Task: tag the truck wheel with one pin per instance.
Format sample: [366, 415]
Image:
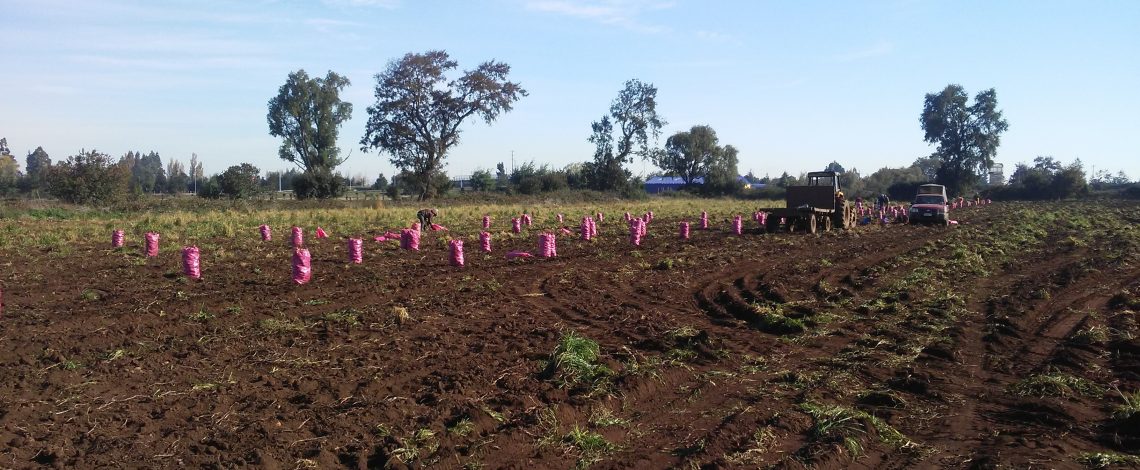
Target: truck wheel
[790, 224]
[827, 224]
[811, 228]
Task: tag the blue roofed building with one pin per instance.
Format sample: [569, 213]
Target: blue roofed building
[661, 184]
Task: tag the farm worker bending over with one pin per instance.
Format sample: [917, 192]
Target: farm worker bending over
[425, 216]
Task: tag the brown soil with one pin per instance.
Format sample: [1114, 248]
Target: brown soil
[111, 359]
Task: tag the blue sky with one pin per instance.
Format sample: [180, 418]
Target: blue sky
[793, 85]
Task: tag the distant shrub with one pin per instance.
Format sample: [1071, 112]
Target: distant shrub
[88, 178]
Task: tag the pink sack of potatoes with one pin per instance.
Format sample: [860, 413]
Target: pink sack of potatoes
[627, 217]
[355, 250]
[191, 262]
[438, 227]
[266, 233]
[456, 248]
[416, 227]
[392, 235]
[601, 217]
[646, 217]
[560, 218]
[117, 239]
[321, 233]
[684, 234]
[485, 241]
[302, 267]
[704, 220]
[151, 244]
[989, 201]
[565, 231]
[635, 232]
[410, 239]
[642, 227]
[593, 229]
[380, 238]
[651, 216]
[526, 220]
[298, 237]
[585, 228]
[519, 254]
[486, 222]
[737, 225]
[546, 245]
[516, 225]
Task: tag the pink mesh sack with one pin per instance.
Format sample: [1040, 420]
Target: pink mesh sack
[266, 233]
[302, 269]
[355, 250]
[191, 262]
[519, 254]
[152, 244]
[546, 245]
[485, 241]
[456, 247]
[298, 237]
[410, 239]
[117, 239]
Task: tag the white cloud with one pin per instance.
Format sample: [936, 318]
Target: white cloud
[878, 50]
[622, 13]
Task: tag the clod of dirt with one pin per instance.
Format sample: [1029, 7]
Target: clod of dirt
[882, 398]
[941, 351]
[913, 382]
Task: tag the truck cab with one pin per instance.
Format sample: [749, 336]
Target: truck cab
[930, 206]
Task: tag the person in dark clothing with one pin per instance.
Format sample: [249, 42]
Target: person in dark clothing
[425, 216]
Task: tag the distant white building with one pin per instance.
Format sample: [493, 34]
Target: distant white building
[996, 175]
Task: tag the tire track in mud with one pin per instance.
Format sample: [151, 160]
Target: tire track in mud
[1012, 345]
[715, 307]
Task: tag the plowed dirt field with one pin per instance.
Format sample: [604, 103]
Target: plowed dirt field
[1007, 340]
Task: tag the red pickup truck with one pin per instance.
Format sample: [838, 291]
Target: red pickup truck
[930, 205]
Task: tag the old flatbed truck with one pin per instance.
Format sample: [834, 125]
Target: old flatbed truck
[818, 205]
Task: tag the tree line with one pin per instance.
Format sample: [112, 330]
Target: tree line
[421, 104]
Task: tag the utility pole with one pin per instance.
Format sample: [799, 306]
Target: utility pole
[279, 180]
[512, 161]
